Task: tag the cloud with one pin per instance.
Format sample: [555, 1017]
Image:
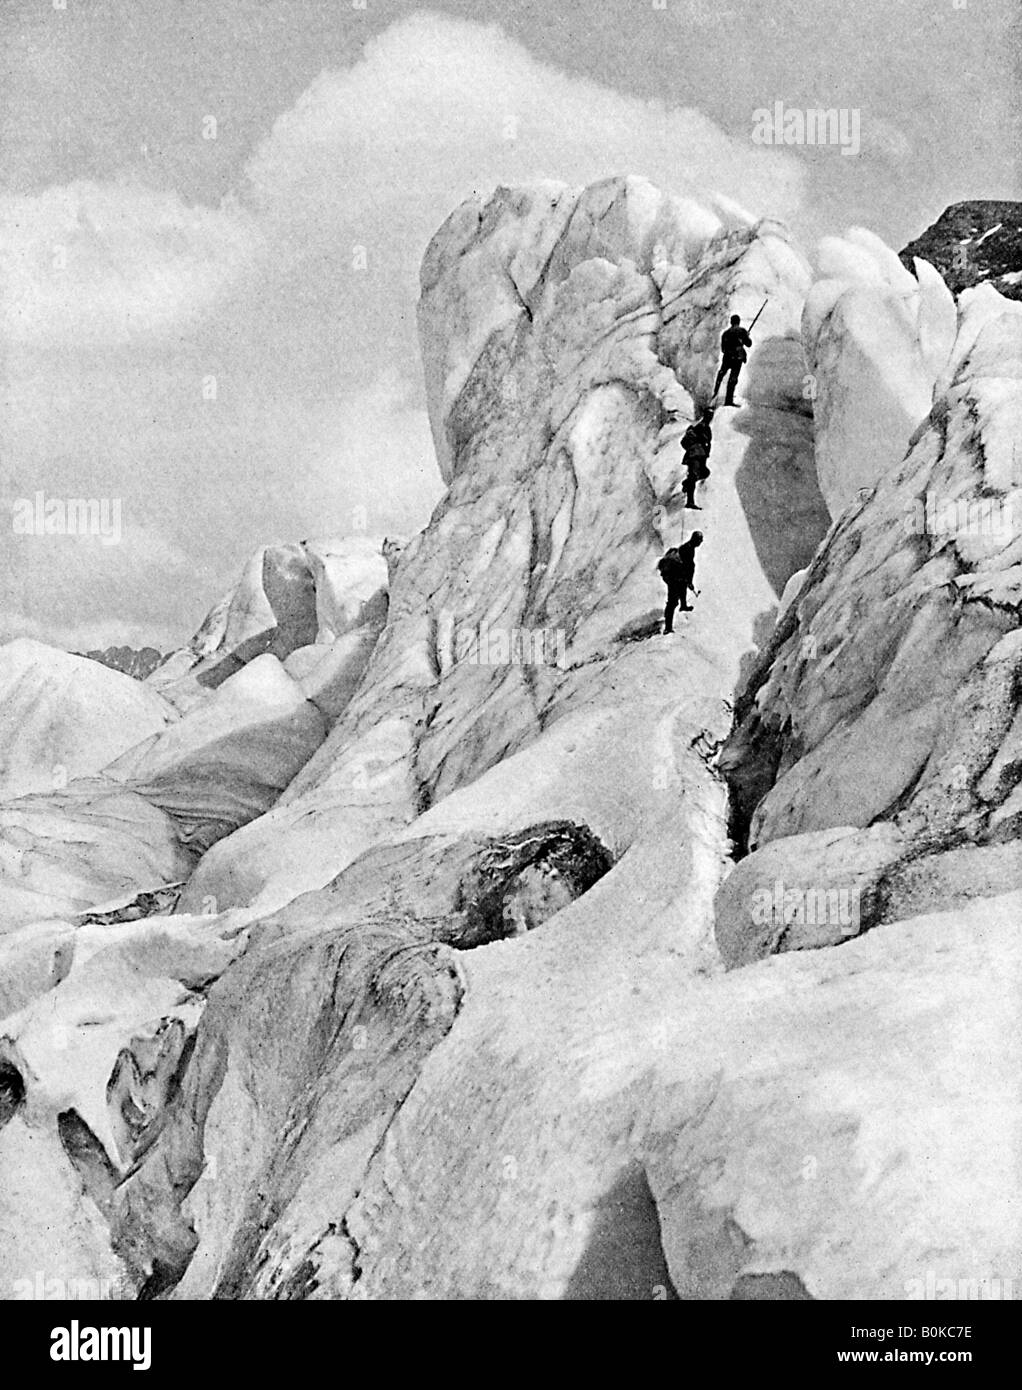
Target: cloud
[383, 440]
[438, 108]
[89, 263]
[884, 138]
[373, 158]
[80, 589]
[361, 463]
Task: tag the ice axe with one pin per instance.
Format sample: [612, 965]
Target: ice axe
[752, 325]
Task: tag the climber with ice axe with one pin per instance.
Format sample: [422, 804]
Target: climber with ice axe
[696, 442]
[733, 342]
[678, 571]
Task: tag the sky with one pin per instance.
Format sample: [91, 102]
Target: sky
[212, 214]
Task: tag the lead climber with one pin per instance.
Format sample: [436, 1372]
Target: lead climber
[678, 571]
[733, 342]
[696, 442]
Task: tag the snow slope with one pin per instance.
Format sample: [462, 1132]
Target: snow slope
[64, 716]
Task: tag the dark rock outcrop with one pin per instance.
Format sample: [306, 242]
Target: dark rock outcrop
[137, 664]
[974, 243]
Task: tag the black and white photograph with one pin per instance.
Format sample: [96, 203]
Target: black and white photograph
[510, 666]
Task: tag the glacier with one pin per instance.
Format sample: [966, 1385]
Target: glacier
[411, 954]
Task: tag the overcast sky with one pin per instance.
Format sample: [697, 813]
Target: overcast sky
[186, 183]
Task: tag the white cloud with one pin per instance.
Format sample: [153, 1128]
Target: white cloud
[886, 139]
[438, 108]
[90, 263]
[377, 155]
[374, 452]
[86, 590]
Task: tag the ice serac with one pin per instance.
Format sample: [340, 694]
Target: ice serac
[888, 701]
[289, 597]
[92, 1057]
[180, 772]
[876, 339]
[145, 820]
[62, 852]
[568, 337]
[227, 761]
[526, 757]
[704, 1138]
[64, 716]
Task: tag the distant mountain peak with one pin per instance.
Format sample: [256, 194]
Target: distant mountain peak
[138, 664]
[974, 243]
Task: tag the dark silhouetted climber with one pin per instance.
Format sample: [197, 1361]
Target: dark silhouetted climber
[733, 342]
[678, 571]
[696, 442]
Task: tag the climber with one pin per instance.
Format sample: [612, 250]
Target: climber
[678, 571]
[696, 442]
[733, 342]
